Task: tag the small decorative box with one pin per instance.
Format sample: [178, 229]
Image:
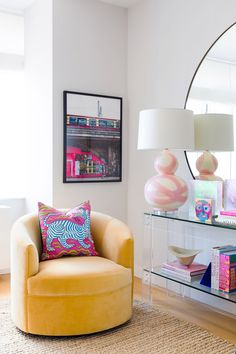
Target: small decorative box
[205, 190]
[203, 210]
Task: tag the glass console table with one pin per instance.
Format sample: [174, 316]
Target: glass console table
[183, 231]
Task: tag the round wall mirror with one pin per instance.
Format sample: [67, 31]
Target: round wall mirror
[213, 90]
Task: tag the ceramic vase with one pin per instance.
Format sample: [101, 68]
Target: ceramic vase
[207, 164]
[165, 191]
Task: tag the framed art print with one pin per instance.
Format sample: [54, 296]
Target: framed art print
[92, 138]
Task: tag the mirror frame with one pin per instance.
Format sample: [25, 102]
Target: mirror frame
[190, 86]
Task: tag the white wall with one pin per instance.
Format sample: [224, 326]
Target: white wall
[11, 34]
[166, 41]
[90, 55]
[10, 210]
[38, 74]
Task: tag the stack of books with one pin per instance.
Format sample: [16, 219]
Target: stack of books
[226, 220]
[226, 217]
[228, 212]
[223, 268]
[182, 272]
[228, 271]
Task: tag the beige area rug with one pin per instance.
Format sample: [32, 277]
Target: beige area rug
[150, 331]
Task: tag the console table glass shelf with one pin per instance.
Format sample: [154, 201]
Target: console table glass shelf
[182, 216]
[195, 284]
[153, 267]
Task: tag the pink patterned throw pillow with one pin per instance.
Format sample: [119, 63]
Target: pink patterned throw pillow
[66, 233]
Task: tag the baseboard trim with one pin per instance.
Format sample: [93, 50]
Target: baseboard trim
[5, 271]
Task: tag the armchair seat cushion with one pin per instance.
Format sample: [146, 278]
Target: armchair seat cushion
[74, 276]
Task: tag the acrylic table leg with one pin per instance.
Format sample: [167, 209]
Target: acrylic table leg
[147, 287]
[147, 260]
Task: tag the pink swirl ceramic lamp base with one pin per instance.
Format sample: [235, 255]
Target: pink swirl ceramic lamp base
[165, 191]
[207, 164]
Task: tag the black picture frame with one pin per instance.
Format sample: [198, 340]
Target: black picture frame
[92, 149]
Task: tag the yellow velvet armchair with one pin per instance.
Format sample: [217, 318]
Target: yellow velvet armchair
[71, 295]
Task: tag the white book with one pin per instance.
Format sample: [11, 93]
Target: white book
[179, 276]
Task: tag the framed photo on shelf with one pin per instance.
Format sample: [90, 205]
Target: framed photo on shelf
[92, 138]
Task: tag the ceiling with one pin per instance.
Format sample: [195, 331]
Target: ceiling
[123, 3]
[17, 6]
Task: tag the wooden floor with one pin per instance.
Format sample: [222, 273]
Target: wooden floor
[4, 286]
[219, 324]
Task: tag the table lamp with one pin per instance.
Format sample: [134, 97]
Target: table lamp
[163, 129]
[214, 132]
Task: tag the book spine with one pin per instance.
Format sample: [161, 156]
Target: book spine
[227, 274]
[233, 278]
[176, 270]
[214, 268]
[183, 272]
[224, 281]
[217, 269]
[228, 213]
[172, 273]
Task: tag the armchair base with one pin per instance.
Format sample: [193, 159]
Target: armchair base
[75, 315]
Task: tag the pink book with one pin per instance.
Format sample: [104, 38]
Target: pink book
[228, 212]
[193, 269]
[228, 271]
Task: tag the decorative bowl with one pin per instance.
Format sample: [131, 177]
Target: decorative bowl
[184, 255]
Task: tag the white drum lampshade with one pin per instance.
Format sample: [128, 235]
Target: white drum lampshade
[213, 132]
[166, 129]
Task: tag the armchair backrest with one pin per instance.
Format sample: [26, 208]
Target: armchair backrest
[112, 238]
[28, 227]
